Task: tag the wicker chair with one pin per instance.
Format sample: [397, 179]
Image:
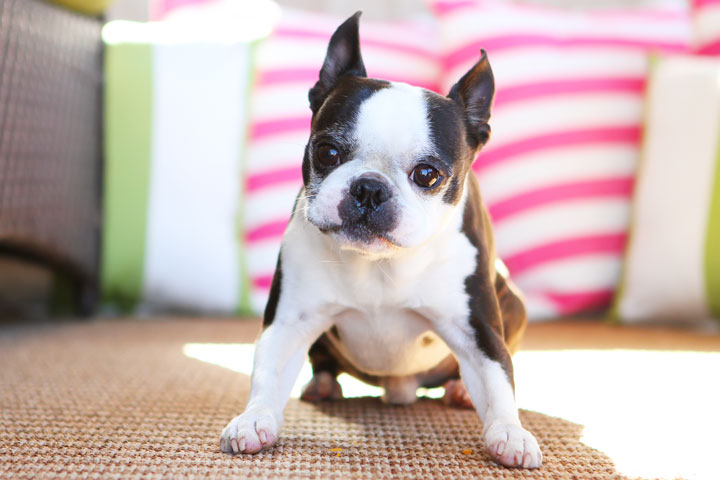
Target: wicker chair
[50, 139]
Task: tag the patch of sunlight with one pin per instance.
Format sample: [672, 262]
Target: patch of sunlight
[239, 358]
[655, 413]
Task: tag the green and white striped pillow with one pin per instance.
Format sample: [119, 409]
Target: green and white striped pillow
[175, 122]
[672, 264]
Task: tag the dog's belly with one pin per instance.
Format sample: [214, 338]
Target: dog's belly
[388, 342]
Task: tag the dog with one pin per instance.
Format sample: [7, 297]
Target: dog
[387, 267]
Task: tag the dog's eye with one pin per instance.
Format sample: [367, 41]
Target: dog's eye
[425, 176]
[328, 155]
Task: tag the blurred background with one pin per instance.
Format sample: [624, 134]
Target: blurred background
[150, 155]
[144, 10]
[150, 149]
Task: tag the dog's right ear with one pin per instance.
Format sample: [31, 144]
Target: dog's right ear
[343, 58]
[474, 93]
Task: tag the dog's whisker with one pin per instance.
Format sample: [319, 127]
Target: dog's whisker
[387, 275]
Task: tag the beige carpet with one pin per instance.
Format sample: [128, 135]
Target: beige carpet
[120, 399]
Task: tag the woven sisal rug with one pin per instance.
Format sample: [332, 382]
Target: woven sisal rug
[119, 399]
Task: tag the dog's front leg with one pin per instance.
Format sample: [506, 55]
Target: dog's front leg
[487, 375]
[279, 354]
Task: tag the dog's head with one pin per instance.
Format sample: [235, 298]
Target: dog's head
[386, 162]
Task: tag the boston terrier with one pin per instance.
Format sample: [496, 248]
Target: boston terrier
[387, 269]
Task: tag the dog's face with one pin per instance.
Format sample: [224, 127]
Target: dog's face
[386, 162]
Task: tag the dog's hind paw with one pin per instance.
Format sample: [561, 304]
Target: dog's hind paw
[322, 386]
[456, 395]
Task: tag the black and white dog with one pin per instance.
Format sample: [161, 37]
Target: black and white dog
[387, 268]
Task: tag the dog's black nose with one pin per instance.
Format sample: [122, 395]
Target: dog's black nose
[369, 192]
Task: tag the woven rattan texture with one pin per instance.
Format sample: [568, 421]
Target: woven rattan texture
[121, 400]
[50, 73]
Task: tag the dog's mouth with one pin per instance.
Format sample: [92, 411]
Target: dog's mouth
[357, 235]
[362, 230]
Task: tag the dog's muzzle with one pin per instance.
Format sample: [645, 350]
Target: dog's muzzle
[368, 211]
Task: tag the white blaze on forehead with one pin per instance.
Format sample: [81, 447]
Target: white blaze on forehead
[393, 121]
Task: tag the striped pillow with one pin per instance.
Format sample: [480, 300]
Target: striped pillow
[174, 123]
[287, 65]
[557, 175]
[672, 268]
[706, 19]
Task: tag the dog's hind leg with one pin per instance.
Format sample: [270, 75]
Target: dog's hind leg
[324, 384]
[512, 310]
[456, 395]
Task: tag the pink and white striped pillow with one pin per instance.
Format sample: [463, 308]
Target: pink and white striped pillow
[558, 172]
[287, 65]
[706, 20]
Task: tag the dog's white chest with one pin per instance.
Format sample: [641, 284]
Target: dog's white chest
[388, 342]
[381, 308]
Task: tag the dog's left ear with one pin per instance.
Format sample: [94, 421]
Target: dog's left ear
[343, 58]
[474, 93]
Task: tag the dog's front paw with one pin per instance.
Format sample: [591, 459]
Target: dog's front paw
[513, 446]
[250, 432]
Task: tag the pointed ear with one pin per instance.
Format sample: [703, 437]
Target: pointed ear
[343, 58]
[474, 94]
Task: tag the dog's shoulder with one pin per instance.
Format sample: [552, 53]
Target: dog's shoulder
[477, 227]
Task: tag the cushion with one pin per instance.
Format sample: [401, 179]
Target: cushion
[175, 113]
[706, 26]
[91, 7]
[672, 268]
[557, 174]
[287, 66]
